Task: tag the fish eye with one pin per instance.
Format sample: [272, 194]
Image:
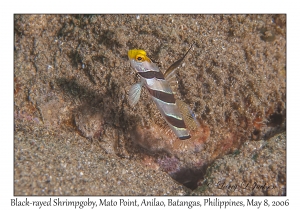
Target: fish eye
[140, 58]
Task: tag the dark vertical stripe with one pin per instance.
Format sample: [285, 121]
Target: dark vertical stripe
[163, 96]
[151, 74]
[184, 137]
[175, 122]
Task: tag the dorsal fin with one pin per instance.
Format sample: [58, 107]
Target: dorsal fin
[172, 81]
[172, 69]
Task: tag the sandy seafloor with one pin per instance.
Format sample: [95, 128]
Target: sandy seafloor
[75, 133]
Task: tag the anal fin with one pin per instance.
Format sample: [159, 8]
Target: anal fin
[188, 115]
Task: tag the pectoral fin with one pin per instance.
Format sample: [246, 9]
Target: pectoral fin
[135, 93]
[188, 115]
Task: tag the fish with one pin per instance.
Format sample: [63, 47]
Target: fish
[176, 113]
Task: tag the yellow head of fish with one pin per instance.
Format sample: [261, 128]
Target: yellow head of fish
[138, 55]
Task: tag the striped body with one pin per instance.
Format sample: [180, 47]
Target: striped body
[160, 91]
